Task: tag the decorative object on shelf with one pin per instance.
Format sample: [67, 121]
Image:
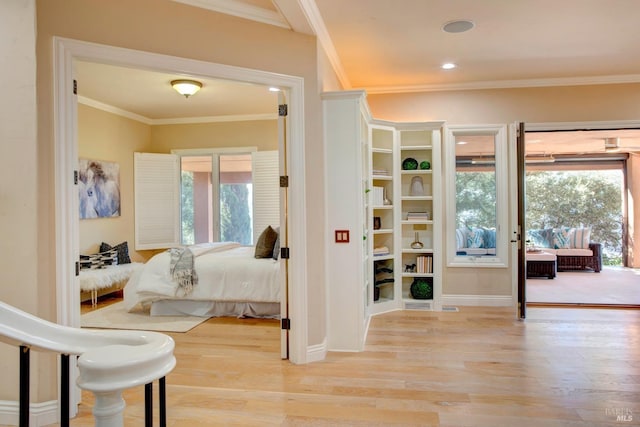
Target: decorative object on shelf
[417, 188]
[425, 165]
[422, 288]
[385, 200]
[383, 275]
[409, 268]
[409, 164]
[417, 244]
[377, 224]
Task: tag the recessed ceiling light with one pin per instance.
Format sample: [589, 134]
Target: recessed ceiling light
[448, 66]
[274, 89]
[458, 26]
[462, 142]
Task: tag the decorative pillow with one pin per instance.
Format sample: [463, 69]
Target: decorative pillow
[475, 238]
[90, 262]
[99, 260]
[266, 241]
[560, 238]
[461, 238]
[122, 249]
[489, 238]
[579, 238]
[541, 238]
[276, 245]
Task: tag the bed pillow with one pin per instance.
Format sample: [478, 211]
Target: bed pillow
[122, 249]
[266, 241]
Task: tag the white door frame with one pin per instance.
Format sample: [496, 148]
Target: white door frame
[66, 158]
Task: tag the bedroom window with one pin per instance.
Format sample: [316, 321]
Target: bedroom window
[216, 195]
[199, 196]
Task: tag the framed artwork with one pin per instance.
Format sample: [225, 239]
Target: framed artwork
[98, 188]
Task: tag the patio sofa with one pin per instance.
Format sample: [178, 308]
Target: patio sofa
[572, 247]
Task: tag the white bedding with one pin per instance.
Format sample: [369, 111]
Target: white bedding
[226, 272]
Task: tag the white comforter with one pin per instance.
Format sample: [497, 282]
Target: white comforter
[226, 272]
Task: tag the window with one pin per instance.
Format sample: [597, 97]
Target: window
[197, 196]
[477, 193]
[216, 198]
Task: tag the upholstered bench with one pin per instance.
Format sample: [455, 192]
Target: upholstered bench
[108, 279]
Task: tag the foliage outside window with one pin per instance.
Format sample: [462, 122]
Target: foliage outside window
[475, 199]
[578, 198]
[235, 213]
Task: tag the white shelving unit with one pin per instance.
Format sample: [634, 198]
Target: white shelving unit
[369, 196]
[420, 212]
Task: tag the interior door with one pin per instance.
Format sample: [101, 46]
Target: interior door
[521, 197]
[284, 238]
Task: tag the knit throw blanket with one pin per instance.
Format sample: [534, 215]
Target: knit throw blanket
[182, 270]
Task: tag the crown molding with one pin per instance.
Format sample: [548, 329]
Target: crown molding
[113, 110]
[508, 84]
[176, 121]
[216, 119]
[241, 10]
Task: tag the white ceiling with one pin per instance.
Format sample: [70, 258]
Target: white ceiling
[399, 45]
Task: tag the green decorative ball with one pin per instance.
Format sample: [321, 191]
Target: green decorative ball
[422, 288]
[425, 165]
[410, 164]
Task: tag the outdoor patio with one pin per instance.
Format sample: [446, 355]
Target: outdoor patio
[613, 285]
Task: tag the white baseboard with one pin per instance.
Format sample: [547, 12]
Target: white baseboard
[317, 353]
[478, 300]
[40, 414]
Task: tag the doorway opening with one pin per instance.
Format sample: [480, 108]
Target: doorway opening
[577, 189]
[67, 251]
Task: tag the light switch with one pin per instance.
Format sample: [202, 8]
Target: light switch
[342, 236]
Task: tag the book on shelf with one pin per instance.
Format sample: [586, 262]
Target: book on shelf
[377, 196]
[379, 171]
[424, 264]
[417, 216]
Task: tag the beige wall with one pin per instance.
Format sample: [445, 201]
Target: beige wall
[260, 133]
[171, 28]
[19, 177]
[109, 137]
[495, 106]
[503, 106]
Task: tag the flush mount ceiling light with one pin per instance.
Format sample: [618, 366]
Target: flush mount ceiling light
[448, 66]
[186, 87]
[458, 26]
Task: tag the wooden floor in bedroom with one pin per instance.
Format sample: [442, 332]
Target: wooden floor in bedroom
[476, 367]
[103, 301]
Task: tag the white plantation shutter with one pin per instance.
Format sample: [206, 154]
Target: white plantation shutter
[157, 200]
[266, 191]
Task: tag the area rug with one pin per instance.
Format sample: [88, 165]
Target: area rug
[115, 316]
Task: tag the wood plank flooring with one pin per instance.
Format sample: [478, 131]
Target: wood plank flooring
[477, 367]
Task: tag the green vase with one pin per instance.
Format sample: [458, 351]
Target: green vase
[425, 165]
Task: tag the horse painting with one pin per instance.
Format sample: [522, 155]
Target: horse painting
[99, 189]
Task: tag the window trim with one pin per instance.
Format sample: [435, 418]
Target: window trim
[501, 260]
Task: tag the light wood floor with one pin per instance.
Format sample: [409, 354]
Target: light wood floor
[478, 367]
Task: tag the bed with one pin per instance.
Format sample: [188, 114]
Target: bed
[231, 281]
